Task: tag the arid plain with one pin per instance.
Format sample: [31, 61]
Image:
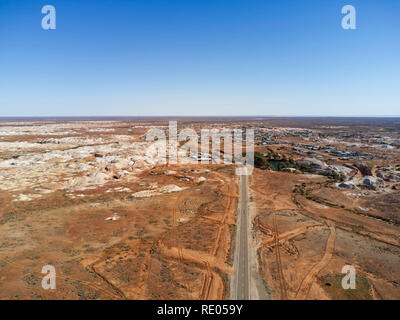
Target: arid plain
[84, 196]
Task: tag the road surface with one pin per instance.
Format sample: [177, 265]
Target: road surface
[241, 283]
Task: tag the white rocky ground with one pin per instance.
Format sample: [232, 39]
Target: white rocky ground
[382, 178]
[72, 163]
[154, 192]
[321, 166]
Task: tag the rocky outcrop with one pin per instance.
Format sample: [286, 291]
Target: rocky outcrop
[316, 164]
[373, 183]
[364, 169]
[347, 185]
[321, 166]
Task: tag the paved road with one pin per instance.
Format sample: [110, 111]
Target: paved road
[242, 270]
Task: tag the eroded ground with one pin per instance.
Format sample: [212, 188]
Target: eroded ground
[308, 226]
[84, 197]
[87, 198]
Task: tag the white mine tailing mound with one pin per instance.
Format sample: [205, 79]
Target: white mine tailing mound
[92, 179]
[150, 193]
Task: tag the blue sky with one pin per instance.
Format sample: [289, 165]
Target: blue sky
[208, 57]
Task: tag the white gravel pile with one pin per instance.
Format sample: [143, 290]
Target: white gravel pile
[155, 192]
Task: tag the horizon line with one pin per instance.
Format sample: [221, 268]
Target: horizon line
[200, 116]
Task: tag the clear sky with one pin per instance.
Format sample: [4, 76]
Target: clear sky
[204, 57]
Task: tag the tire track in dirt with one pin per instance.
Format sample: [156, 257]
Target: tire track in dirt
[229, 196]
[309, 279]
[209, 275]
[208, 278]
[221, 223]
[115, 288]
[209, 265]
[276, 240]
[194, 256]
[157, 243]
[340, 224]
[208, 287]
[282, 281]
[175, 225]
[85, 283]
[287, 235]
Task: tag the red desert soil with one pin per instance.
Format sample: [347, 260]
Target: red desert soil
[303, 240]
[86, 197]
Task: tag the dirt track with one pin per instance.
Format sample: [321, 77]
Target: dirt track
[307, 282]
